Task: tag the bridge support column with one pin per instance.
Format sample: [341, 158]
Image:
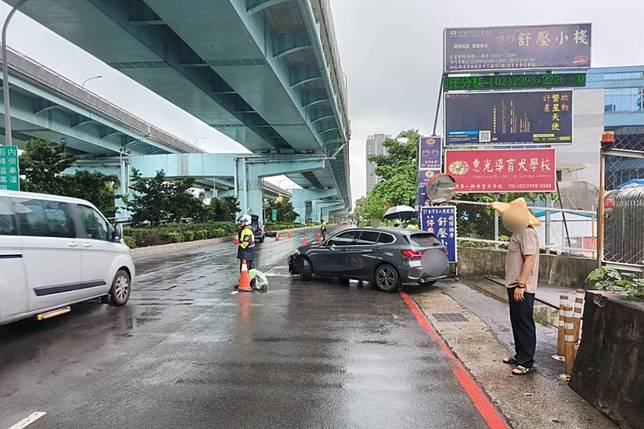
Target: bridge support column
[252, 170]
[326, 209]
[303, 197]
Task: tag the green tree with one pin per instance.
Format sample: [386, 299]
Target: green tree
[284, 207]
[95, 187]
[43, 164]
[399, 170]
[148, 200]
[223, 209]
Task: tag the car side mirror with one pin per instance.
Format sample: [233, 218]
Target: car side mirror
[117, 234]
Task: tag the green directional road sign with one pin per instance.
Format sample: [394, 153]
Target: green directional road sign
[273, 215]
[9, 170]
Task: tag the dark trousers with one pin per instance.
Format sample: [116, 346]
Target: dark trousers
[249, 264]
[523, 329]
[323, 235]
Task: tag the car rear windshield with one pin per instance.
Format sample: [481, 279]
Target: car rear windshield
[425, 239]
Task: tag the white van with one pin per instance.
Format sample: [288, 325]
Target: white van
[56, 251]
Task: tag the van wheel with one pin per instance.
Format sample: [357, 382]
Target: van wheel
[386, 278]
[121, 288]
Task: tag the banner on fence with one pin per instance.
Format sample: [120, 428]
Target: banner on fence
[502, 170]
[441, 221]
[489, 49]
[9, 170]
[518, 117]
[429, 164]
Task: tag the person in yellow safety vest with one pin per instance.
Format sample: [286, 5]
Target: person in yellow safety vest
[323, 229]
[246, 248]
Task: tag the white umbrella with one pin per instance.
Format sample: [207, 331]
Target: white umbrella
[400, 212]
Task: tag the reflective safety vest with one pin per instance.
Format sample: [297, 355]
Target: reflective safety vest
[323, 227]
[246, 238]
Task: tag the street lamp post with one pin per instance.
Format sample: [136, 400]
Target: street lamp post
[5, 76]
[91, 78]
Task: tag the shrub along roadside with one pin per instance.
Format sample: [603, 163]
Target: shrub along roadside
[278, 226]
[184, 232]
[177, 233]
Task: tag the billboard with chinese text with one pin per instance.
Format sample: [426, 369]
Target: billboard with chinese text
[429, 164]
[500, 118]
[441, 221]
[500, 171]
[9, 170]
[490, 49]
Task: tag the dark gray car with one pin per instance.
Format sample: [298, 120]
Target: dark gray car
[390, 257]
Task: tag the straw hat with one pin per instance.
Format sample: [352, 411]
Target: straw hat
[516, 213]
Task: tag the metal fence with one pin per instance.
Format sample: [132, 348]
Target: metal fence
[562, 231]
[622, 169]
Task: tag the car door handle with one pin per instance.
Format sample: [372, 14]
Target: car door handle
[72, 244]
[86, 245]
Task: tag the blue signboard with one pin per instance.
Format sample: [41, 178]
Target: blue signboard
[501, 118]
[429, 164]
[491, 49]
[429, 153]
[441, 221]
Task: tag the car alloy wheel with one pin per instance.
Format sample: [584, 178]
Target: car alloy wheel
[387, 278]
[120, 292]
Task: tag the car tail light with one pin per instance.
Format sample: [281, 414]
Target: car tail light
[412, 254]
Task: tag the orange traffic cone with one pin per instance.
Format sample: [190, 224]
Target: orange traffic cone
[318, 238]
[289, 234]
[244, 278]
[305, 242]
[277, 236]
[236, 241]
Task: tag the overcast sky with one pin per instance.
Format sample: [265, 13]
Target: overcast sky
[391, 53]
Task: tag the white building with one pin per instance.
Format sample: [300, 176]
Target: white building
[374, 147]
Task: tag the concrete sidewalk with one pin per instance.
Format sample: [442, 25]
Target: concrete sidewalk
[477, 328]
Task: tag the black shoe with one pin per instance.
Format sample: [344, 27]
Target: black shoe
[510, 361]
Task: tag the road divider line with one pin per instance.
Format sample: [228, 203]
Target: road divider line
[28, 420]
[481, 402]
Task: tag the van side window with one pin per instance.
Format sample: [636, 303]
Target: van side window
[93, 223]
[7, 222]
[41, 218]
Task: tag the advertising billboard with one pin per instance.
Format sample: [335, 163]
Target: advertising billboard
[441, 221]
[489, 49]
[429, 164]
[517, 117]
[502, 170]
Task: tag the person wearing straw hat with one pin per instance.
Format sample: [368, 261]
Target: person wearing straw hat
[521, 276]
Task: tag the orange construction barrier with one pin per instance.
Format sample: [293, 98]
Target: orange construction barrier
[244, 278]
[277, 236]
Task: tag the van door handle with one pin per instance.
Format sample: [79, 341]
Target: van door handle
[72, 244]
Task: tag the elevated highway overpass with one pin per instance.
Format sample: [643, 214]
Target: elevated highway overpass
[46, 105]
[264, 72]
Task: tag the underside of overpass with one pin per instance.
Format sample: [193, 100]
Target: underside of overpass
[264, 72]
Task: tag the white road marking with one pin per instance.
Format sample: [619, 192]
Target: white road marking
[28, 420]
[235, 292]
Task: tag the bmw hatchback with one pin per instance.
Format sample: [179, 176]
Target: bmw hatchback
[390, 257]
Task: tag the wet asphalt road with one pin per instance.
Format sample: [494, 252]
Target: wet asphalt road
[185, 353]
